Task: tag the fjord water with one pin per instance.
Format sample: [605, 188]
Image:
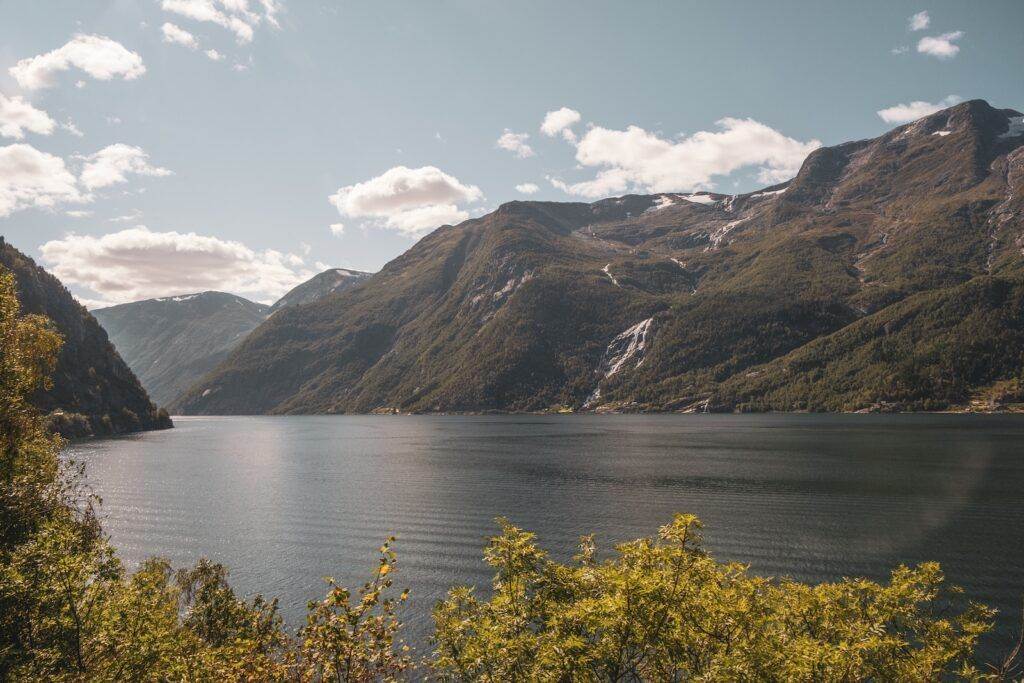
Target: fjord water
[285, 501]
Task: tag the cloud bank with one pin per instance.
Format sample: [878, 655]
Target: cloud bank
[234, 15]
[409, 200]
[905, 113]
[98, 56]
[636, 159]
[943, 46]
[113, 163]
[18, 116]
[919, 21]
[175, 34]
[30, 178]
[138, 264]
[560, 121]
[516, 143]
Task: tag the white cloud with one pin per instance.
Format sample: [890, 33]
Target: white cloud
[901, 50]
[137, 264]
[30, 178]
[337, 229]
[409, 200]
[214, 55]
[18, 116]
[71, 128]
[234, 15]
[113, 163]
[638, 159]
[904, 113]
[98, 56]
[175, 34]
[527, 188]
[516, 143]
[942, 46]
[127, 218]
[560, 121]
[270, 11]
[78, 213]
[919, 21]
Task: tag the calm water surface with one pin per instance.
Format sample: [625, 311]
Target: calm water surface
[284, 501]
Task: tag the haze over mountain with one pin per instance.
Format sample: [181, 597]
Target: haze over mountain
[171, 342]
[887, 274]
[94, 393]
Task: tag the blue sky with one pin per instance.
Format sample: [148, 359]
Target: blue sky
[384, 118]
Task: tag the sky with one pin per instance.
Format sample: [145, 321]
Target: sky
[161, 147]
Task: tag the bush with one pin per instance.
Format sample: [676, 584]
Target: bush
[662, 609]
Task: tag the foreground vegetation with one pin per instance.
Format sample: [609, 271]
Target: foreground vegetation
[655, 609]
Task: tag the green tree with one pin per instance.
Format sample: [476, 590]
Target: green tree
[663, 610]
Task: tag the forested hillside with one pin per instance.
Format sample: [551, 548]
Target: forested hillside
[886, 275]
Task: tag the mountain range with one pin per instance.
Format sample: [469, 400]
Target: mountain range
[887, 275]
[171, 342]
[94, 393]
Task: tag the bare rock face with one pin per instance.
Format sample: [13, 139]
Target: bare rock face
[888, 272]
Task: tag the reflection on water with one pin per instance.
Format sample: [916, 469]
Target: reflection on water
[285, 501]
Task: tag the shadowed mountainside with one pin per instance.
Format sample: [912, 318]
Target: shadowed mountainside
[94, 392]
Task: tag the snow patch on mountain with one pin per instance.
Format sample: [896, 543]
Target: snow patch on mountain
[662, 202]
[758, 195]
[187, 297]
[705, 199]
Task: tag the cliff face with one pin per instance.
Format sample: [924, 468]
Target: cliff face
[94, 393]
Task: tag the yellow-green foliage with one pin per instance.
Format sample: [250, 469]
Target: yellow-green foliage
[659, 609]
[664, 610]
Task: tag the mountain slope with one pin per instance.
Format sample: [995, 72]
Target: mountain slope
[94, 392]
[319, 286]
[173, 341]
[907, 242]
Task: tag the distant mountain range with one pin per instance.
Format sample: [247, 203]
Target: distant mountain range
[171, 342]
[94, 393]
[888, 274]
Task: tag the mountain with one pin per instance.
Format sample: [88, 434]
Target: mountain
[888, 274]
[173, 341]
[94, 393]
[318, 286]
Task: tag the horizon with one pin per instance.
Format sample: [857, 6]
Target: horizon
[159, 165]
